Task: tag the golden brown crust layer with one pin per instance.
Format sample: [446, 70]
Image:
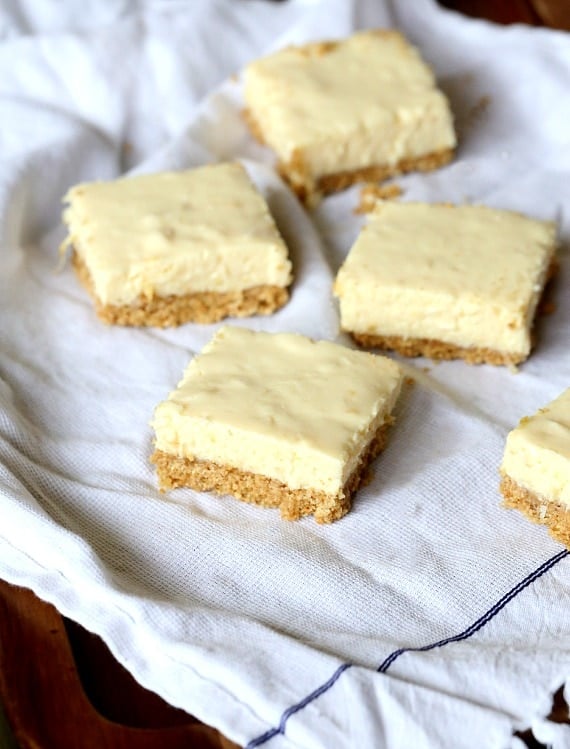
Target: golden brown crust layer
[434, 349]
[371, 193]
[174, 471]
[296, 175]
[342, 180]
[309, 191]
[555, 516]
[200, 307]
[253, 125]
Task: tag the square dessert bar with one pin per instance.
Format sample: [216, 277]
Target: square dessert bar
[536, 468]
[278, 420]
[446, 281]
[175, 247]
[340, 112]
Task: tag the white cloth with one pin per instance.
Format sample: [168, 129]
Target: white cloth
[225, 610]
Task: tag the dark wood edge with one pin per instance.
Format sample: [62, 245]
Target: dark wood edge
[43, 697]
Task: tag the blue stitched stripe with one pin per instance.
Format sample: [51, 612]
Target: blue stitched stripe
[299, 706]
[482, 621]
[264, 737]
[389, 660]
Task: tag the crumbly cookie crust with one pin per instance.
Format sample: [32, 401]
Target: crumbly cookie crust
[555, 516]
[198, 307]
[342, 180]
[310, 191]
[371, 193]
[434, 349]
[174, 471]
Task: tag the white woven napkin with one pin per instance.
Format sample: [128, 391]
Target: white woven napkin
[427, 617]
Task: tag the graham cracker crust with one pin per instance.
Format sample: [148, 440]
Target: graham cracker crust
[555, 516]
[198, 307]
[309, 191]
[174, 471]
[371, 193]
[253, 125]
[342, 180]
[434, 349]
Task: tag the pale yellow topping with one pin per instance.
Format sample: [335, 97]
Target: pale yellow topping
[279, 405]
[537, 453]
[205, 229]
[367, 100]
[465, 275]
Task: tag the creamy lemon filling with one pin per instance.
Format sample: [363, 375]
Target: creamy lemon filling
[279, 405]
[367, 100]
[175, 233]
[537, 452]
[466, 275]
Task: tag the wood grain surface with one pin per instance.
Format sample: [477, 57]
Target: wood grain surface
[46, 701]
[552, 13]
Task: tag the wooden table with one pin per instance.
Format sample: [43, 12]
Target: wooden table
[62, 689]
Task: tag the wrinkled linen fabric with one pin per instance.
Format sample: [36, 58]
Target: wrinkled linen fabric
[429, 616]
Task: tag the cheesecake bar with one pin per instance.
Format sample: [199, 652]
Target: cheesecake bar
[169, 248]
[536, 468]
[338, 112]
[277, 420]
[446, 281]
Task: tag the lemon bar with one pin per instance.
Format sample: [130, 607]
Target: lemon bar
[338, 112]
[168, 248]
[446, 281]
[277, 420]
[536, 468]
